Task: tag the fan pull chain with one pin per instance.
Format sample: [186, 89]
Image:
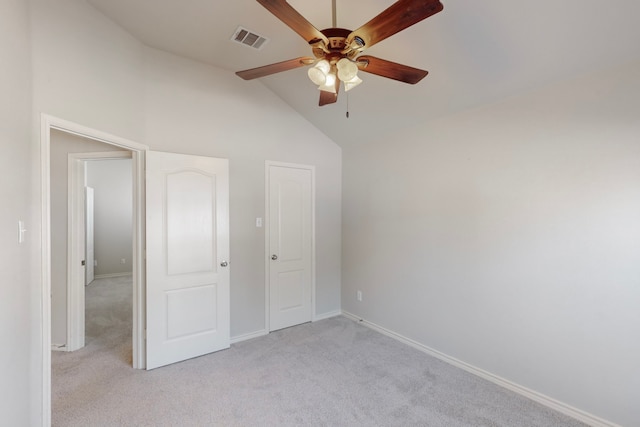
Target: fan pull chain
[347, 93]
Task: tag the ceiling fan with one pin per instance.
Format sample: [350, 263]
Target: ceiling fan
[336, 51]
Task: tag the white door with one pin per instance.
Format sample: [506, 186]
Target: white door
[290, 243]
[88, 218]
[187, 257]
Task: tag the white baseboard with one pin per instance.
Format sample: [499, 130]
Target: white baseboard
[561, 407]
[327, 315]
[248, 336]
[106, 276]
[263, 332]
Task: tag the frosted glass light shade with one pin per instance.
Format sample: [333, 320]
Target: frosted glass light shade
[323, 65]
[348, 85]
[347, 70]
[317, 76]
[318, 73]
[329, 84]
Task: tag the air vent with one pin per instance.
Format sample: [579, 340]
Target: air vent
[249, 38]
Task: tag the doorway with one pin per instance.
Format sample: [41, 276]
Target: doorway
[50, 124]
[109, 177]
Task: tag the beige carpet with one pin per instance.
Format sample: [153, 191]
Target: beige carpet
[330, 373]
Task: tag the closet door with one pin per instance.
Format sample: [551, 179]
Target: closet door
[290, 243]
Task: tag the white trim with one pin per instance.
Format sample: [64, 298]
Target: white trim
[328, 315]
[267, 237]
[76, 176]
[102, 155]
[249, 336]
[545, 400]
[45, 274]
[75, 245]
[47, 123]
[87, 132]
[111, 275]
[267, 272]
[139, 261]
[76, 181]
[313, 242]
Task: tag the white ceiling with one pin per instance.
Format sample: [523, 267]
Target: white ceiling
[476, 51]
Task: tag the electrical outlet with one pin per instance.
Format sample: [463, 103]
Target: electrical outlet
[122, 260]
[359, 296]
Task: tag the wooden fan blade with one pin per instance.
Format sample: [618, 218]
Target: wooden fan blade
[329, 97]
[391, 70]
[287, 14]
[400, 15]
[278, 67]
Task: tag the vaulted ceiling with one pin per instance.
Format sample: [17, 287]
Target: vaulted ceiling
[477, 52]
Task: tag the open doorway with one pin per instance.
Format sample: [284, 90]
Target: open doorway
[108, 281]
[186, 301]
[78, 166]
[55, 261]
[100, 229]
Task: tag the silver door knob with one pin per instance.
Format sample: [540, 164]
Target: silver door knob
[274, 257]
[224, 264]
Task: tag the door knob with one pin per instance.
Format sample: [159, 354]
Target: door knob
[224, 264]
[274, 257]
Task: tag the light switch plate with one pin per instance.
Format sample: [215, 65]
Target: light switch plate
[21, 231]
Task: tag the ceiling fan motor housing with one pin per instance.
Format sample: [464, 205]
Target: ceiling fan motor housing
[336, 48]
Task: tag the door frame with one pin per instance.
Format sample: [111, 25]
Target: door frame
[48, 123]
[77, 165]
[89, 233]
[267, 272]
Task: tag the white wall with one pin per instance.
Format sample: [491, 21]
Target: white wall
[508, 237]
[112, 181]
[15, 190]
[62, 144]
[86, 69]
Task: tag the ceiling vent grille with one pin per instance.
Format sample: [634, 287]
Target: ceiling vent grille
[249, 38]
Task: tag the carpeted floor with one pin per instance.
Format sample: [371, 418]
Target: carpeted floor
[330, 373]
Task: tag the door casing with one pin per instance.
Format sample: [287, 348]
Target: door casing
[75, 244]
[47, 123]
[89, 235]
[267, 287]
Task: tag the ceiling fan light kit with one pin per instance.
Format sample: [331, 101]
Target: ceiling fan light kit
[337, 50]
[329, 84]
[324, 75]
[318, 73]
